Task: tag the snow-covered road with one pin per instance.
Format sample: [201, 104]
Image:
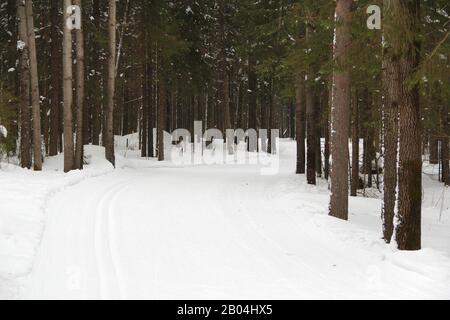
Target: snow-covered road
[220, 232]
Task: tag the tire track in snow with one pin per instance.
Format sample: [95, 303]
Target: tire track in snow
[106, 253]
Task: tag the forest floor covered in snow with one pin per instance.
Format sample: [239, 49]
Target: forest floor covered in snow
[149, 230]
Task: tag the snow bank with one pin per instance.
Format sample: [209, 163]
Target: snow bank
[23, 198]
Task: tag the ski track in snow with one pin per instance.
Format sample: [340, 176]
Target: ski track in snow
[106, 253]
[221, 232]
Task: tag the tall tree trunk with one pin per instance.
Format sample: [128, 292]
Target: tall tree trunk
[11, 51]
[318, 136]
[355, 145]
[145, 101]
[109, 130]
[46, 112]
[252, 98]
[292, 120]
[210, 112]
[227, 112]
[264, 116]
[80, 95]
[327, 152]
[311, 120]
[151, 107]
[434, 148]
[369, 152]
[174, 107]
[55, 70]
[96, 103]
[408, 231]
[391, 102]
[340, 113]
[368, 157]
[300, 123]
[311, 136]
[146, 97]
[87, 96]
[67, 92]
[161, 117]
[35, 97]
[445, 144]
[126, 110]
[145, 105]
[24, 84]
[196, 116]
[271, 142]
[226, 104]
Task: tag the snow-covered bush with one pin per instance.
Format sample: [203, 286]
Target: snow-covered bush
[3, 134]
[3, 131]
[8, 121]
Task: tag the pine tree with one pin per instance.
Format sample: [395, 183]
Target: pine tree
[78, 163]
[445, 152]
[24, 84]
[147, 148]
[252, 99]
[110, 93]
[355, 145]
[34, 81]
[162, 109]
[340, 114]
[96, 79]
[391, 90]
[311, 120]
[408, 232]
[300, 123]
[67, 90]
[55, 76]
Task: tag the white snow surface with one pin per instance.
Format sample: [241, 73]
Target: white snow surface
[152, 231]
[24, 196]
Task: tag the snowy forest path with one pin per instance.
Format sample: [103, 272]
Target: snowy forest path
[216, 232]
[161, 233]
